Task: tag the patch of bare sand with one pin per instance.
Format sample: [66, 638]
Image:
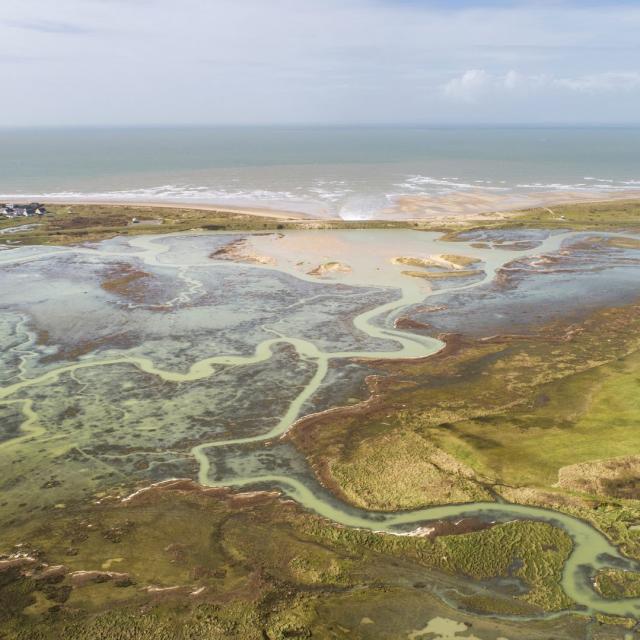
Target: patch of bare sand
[479, 205]
[445, 261]
[441, 275]
[446, 265]
[329, 268]
[450, 207]
[241, 250]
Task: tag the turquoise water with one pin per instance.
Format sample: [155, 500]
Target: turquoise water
[351, 171]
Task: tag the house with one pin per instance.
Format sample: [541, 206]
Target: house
[22, 210]
[8, 210]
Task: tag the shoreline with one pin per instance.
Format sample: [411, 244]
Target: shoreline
[481, 206]
[458, 207]
[87, 221]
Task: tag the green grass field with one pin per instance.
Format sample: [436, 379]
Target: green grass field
[545, 421]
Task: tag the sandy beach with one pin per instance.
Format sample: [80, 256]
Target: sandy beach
[453, 207]
[482, 205]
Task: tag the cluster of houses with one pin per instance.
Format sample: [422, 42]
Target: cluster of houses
[22, 210]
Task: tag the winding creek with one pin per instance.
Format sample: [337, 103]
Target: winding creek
[592, 551]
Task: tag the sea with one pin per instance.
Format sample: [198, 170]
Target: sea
[349, 172]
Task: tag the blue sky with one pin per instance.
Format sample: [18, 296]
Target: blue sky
[320, 61]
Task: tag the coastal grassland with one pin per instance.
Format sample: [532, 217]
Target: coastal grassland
[610, 215]
[617, 214]
[74, 223]
[584, 416]
[70, 224]
[513, 416]
[409, 470]
[535, 552]
[252, 566]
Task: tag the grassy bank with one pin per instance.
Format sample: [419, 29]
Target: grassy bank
[69, 224]
[73, 223]
[548, 419]
[255, 567]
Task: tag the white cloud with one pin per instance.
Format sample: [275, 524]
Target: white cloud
[469, 85]
[291, 61]
[612, 81]
[475, 84]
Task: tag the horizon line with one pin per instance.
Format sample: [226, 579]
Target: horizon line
[300, 125]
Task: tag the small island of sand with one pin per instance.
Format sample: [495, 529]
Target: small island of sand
[438, 267]
[240, 251]
[329, 268]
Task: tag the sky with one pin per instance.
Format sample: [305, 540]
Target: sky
[125, 62]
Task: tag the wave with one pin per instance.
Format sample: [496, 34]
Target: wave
[363, 207]
[323, 196]
[319, 191]
[428, 185]
[164, 192]
[594, 186]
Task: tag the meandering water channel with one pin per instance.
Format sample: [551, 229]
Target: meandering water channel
[591, 552]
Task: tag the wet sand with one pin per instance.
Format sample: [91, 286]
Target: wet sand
[453, 207]
[483, 206]
[449, 208]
